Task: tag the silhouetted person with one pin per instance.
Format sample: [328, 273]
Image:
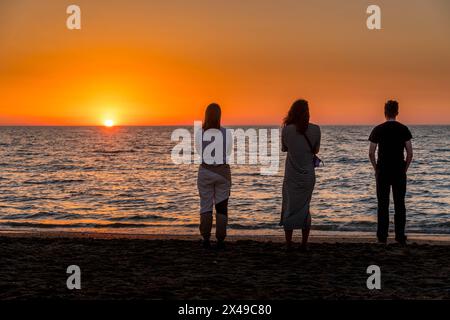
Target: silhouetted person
[391, 138]
[214, 176]
[301, 140]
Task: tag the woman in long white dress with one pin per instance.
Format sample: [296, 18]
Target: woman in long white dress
[301, 141]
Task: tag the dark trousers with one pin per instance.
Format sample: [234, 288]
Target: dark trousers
[386, 180]
[206, 220]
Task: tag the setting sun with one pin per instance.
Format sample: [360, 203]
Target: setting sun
[139, 73]
[109, 123]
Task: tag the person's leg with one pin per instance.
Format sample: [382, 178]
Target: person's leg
[383, 191]
[222, 189]
[305, 237]
[305, 232]
[399, 192]
[221, 220]
[206, 193]
[288, 236]
[206, 226]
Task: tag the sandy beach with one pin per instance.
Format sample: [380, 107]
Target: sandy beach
[33, 266]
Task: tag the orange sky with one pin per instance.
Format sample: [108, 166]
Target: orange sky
[162, 61]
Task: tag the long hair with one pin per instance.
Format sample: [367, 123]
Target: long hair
[212, 117]
[298, 115]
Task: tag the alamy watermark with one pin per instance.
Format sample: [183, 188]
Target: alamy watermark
[373, 22]
[74, 280]
[215, 147]
[73, 21]
[374, 280]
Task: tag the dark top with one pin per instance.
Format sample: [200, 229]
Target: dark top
[390, 137]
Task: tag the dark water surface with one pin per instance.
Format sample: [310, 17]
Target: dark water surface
[98, 179]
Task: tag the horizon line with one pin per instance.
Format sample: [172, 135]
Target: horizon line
[188, 125]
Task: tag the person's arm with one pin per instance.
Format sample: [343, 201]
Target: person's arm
[317, 147]
[409, 154]
[372, 149]
[283, 143]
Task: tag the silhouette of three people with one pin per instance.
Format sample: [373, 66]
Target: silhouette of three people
[301, 140]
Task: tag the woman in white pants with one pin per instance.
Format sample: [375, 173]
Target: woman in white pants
[214, 175]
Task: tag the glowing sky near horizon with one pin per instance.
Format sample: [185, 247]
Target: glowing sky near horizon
[162, 61]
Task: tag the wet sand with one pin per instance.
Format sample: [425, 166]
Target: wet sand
[33, 266]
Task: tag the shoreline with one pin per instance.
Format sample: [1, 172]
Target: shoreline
[316, 237]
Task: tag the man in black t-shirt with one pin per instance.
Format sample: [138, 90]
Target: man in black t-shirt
[391, 138]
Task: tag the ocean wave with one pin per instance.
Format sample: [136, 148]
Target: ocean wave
[442, 228]
[439, 225]
[47, 215]
[73, 225]
[61, 167]
[365, 226]
[45, 182]
[256, 226]
[246, 174]
[20, 199]
[126, 202]
[348, 160]
[143, 217]
[26, 153]
[441, 150]
[115, 151]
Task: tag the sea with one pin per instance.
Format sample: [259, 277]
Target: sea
[123, 180]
